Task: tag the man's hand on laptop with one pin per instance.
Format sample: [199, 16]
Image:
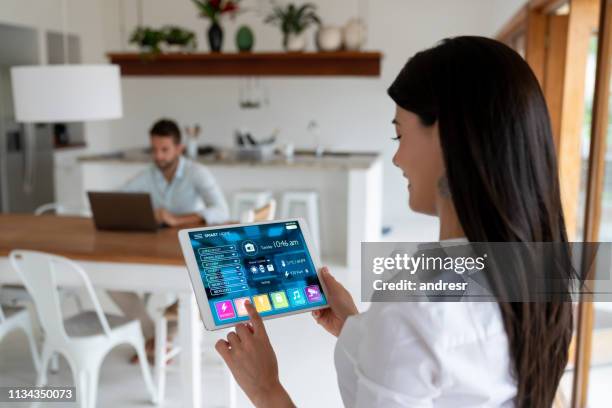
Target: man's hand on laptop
[164, 216]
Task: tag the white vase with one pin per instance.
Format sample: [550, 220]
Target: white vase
[355, 34]
[296, 42]
[329, 38]
[192, 148]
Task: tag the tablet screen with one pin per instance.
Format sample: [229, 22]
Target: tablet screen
[268, 264]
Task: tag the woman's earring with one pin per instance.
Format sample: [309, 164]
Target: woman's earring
[443, 188]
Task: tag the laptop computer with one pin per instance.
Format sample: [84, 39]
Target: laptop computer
[122, 211]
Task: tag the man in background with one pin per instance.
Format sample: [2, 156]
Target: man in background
[183, 193]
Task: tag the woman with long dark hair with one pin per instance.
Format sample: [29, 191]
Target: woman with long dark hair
[475, 145]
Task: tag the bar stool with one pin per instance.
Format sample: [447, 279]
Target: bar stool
[310, 201]
[245, 200]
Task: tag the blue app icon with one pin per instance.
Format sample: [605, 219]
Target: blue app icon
[296, 296]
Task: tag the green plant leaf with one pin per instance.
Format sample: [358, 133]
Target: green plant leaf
[292, 18]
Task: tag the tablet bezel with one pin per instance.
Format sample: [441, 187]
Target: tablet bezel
[198, 285]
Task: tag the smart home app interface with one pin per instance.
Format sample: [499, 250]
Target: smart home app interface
[267, 264]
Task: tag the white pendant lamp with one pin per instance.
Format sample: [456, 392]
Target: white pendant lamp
[66, 93]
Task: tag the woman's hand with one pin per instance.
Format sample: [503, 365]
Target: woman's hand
[251, 359]
[341, 305]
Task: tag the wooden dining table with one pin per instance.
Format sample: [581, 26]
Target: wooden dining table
[130, 261]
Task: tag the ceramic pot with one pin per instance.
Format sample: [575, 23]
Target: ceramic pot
[329, 38]
[245, 39]
[173, 48]
[354, 34]
[295, 42]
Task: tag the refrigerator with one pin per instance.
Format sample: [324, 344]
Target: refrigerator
[26, 150]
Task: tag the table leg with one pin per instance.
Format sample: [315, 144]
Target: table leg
[191, 367]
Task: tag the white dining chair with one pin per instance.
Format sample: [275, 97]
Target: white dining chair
[245, 200]
[83, 339]
[266, 212]
[61, 209]
[163, 308]
[12, 319]
[309, 201]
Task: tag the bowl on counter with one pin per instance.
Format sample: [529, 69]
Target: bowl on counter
[255, 153]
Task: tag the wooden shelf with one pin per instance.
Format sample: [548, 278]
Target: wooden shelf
[361, 64]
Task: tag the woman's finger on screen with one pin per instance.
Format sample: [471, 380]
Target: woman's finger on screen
[255, 318]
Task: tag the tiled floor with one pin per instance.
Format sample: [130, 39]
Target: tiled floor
[304, 353]
[121, 384]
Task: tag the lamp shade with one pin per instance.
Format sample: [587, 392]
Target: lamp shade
[66, 93]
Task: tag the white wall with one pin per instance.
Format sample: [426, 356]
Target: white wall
[353, 114]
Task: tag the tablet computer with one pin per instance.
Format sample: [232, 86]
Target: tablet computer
[273, 264]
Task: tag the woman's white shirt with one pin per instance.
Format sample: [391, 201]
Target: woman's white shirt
[423, 354]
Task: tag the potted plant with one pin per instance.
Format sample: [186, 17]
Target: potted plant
[293, 20]
[179, 39]
[147, 39]
[213, 10]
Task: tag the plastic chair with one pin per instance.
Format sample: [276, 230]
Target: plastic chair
[84, 339]
[58, 208]
[264, 213]
[12, 319]
[310, 201]
[247, 200]
[163, 308]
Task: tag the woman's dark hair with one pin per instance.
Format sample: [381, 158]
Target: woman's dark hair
[501, 167]
[167, 128]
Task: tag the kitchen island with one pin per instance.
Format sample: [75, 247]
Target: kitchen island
[349, 187]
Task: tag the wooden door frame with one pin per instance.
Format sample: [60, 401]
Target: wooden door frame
[595, 185]
[557, 50]
[582, 22]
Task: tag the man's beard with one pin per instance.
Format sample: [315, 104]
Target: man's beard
[165, 165]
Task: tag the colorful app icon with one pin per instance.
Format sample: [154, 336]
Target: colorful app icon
[225, 309]
[296, 296]
[262, 303]
[279, 300]
[239, 303]
[313, 294]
